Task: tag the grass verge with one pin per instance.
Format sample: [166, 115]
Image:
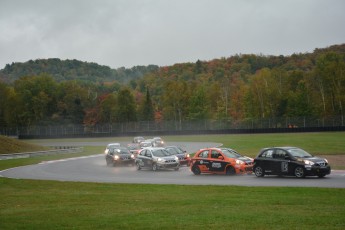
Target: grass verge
[30, 204]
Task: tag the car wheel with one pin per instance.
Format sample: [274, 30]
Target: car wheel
[321, 175]
[259, 172]
[138, 166]
[230, 171]
[299, 172]
[176, 169]
[196, 170]
[154, 167]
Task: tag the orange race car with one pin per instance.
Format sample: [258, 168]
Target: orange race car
[220, 161]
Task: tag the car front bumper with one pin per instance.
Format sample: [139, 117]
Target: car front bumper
[317, 170]
[168, 165]
[124, 161]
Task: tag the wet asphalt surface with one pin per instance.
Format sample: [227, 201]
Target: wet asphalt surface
[94, 169]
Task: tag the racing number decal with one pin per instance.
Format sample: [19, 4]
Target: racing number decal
[216, 165]
[285, 166]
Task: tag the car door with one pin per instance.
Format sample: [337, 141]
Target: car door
[141, 158]
[202, 161]
[280, 163]
[217, 163]
[148, 158]
[264, 160]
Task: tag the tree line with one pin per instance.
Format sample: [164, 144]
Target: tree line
[236, 88]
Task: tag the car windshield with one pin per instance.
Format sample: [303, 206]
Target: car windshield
[146, 144]
[231, 153]
[174, 151]
[299, 153]
[160, 153]
[119, 151]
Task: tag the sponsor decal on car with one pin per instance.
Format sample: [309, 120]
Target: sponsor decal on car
[216, 165]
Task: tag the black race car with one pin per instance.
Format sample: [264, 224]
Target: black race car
[291, 161]
[119, 155]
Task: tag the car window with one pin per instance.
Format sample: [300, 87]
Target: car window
[280, 154]
[174, 151]
[148, 153]
[142, 153]
[231, 153]
[203, 154]
[267, 154]
[299, 153]
[161, 153]
[215, 154]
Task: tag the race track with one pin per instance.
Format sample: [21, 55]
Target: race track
[94, 169]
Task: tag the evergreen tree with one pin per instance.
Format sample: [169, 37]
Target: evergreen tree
[146, 110]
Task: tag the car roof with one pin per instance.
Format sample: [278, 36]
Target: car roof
[212, 148]
[116, 144]
[283, 147]
[154, 148]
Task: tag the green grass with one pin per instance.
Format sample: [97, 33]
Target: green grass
[30, 204]
[11, 145]
[325, 143]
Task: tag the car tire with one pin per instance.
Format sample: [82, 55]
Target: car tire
[321, 175]
[299, 172]
[138, 166]
[230, 171]
[176, 169]
[259, 172]
[196, 170]
[154, 167]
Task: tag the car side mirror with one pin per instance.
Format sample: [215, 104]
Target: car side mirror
[287, 157]
[221, 157]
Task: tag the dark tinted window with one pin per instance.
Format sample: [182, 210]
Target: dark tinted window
[215, 154]
[280, 154]
[267, 153]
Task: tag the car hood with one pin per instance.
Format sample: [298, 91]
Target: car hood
[179, 155]
[313, 159]
[245, 159]
[123, 155]
[167, 157]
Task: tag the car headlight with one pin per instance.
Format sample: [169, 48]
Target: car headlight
[308, 162]
[176, 158]
[239, 162]
[326, 161]
[160, 160]
[132, 156]
[187, 155]
[116, 157]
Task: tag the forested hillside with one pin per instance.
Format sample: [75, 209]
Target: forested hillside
[64, 70]
[236, 88]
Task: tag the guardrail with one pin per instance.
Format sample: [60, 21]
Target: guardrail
[58, 150]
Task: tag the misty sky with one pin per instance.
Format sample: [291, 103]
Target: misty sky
[127, 33]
